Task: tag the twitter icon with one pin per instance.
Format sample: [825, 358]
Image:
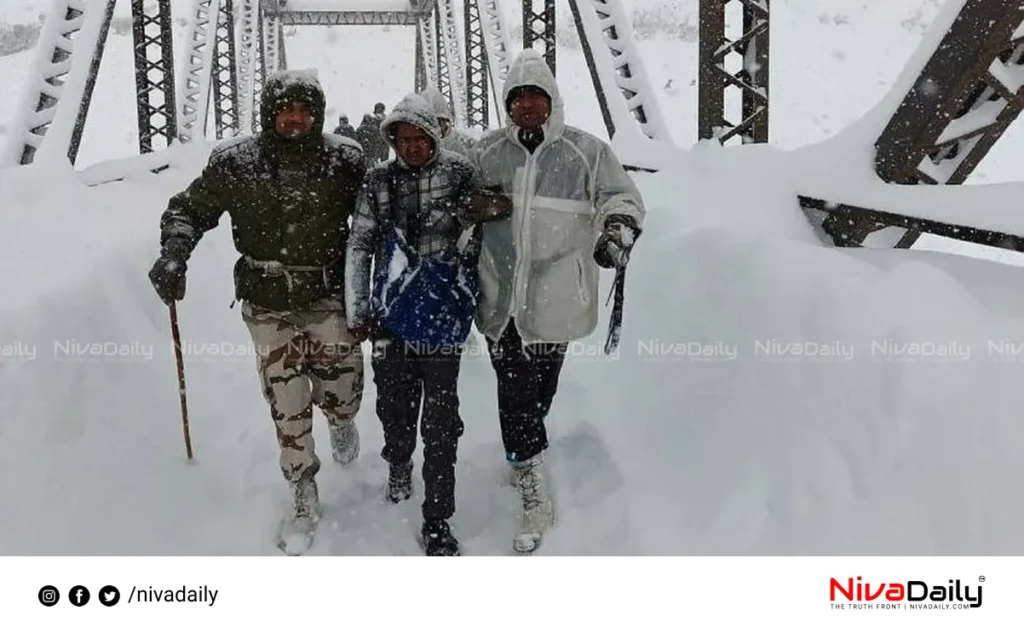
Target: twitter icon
[109, 596]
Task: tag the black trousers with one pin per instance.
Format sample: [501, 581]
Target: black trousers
[406, 375]
[527, 383]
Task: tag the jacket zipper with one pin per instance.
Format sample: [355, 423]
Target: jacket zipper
[520, 276]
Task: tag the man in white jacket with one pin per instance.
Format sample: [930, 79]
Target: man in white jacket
[452, 139]
[539, 268]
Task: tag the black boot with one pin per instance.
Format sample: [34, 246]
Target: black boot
[399, 482]
[438, 539]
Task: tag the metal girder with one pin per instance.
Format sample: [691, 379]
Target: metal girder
[444, 83]
[477, 101]
[968, 93]
[247, 34]
[752, 78]
[607, 43]
[428, 36]
[420, 78]
[225, 74]
[52, 113]
[349, 18]
[194, 74]
[848, 225]
[449, 38]
[154, 73]
[259, 70]
[499, 51]
[539, 26]
[273, 45]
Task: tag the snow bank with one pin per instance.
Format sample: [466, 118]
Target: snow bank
[860, 443]
[57, 228]
[89, 380]
[771, 396]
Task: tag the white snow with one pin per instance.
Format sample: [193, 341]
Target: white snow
[688, 442]
[977, 118]
[1010, 76]
[399, 262]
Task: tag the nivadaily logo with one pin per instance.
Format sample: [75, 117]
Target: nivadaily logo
[912, 594]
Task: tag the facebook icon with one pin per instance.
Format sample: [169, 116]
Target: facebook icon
[78, 596]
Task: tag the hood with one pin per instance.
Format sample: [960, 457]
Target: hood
[416, 110]
[292, 85]
[437, 102]
[530, 69]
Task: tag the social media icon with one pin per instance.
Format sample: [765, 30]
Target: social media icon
[49, 596]
[79, 596]
[109, 596]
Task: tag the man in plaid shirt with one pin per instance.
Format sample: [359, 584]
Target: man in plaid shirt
[430, 196]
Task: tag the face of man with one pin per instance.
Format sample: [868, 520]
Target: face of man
[413, 145]
[445, 126]
[530, 109]
[294, 120]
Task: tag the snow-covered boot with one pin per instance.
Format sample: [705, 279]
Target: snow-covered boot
[538, 507]
[345, 442]
[438, 539]
[399, 482]
[299, 528]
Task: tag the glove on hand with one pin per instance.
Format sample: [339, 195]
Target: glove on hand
[168, 272]
[487, 205]
[615, 242]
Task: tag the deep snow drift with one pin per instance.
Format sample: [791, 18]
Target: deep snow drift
[665, 449]
[771, 395]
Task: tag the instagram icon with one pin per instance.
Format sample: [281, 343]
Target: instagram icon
[49, 596]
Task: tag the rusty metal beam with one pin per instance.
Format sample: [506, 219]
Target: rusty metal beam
[967, 95]
[715, 51]
[962, 102]
[539, 26]
[154, 74]
[849, 225]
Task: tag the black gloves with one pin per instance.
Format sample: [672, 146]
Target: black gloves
[488, 204]
[168, 273]
[613, 245]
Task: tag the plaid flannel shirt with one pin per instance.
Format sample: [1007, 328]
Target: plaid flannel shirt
[436, 197]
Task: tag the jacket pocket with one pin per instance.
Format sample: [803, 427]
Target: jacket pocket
[558, 227]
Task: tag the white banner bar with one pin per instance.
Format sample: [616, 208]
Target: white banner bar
[510, 594]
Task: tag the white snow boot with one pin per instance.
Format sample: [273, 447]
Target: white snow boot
[299, 529]
[538, 508]
[345, 443]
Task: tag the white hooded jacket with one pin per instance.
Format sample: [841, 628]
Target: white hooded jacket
[537, 266]
[456, 140]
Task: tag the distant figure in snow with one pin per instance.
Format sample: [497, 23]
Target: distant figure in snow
[574, 209]
[289, 192]
[345, 128]
[369, 136]
[452, 139]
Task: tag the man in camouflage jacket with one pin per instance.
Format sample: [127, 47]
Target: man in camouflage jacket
[289, 192]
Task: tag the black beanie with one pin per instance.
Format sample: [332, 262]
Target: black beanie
[521, 90]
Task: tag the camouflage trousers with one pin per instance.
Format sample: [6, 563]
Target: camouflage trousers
[306, 358]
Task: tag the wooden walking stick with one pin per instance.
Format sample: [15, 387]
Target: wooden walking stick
[181, 377]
